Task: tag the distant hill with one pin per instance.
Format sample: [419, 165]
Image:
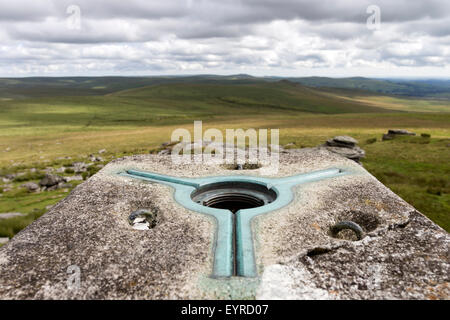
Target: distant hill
[416, 88]
[261, 97]
[85, 86]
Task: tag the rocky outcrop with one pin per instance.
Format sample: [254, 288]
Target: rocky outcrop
[346, 147]
[79, 167]
[51, 180]
[392, 133]
[401, 132]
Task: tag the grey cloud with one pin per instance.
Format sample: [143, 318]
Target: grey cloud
[139, 35]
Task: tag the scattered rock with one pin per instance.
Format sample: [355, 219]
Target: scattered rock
[74, 178]
[7, 187]
[60, 185]
[95, 158]
[61, 170]
[4, 240]
[355, 153]
[49, 170]
[10, 176]
[51, 180]
[79, 167]
[101, 151]
[401, 132]
[31, 186]
[345, 146]
[9, 215]
[342, 141]
[396, 132]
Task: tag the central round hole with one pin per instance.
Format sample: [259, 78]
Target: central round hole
[233, 195]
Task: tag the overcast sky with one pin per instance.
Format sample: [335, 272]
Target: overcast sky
[260, 37]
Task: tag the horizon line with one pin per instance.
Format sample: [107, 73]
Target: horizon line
[229, 75]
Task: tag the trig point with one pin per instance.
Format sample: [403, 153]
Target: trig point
[322, 227]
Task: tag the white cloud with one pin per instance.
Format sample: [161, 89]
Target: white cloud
[285, 37]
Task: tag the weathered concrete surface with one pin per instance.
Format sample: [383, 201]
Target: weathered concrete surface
[403, 255]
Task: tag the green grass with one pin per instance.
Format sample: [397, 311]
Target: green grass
[418, 169]
[36, 129]
[403, 104]
[33, 204]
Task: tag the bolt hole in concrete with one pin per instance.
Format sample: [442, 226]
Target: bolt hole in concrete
[353, 225]
[143, 219]
[347, 230]
[233, 196]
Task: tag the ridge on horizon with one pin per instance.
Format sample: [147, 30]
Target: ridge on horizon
[423, 87]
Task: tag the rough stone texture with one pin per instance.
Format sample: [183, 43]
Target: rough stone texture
[403, 255]
[3, 240]
[354, 153]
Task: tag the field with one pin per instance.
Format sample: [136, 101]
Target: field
[41, 128]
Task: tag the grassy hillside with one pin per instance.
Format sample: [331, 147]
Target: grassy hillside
[40, 129]
[167, 104]
[283, 96]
